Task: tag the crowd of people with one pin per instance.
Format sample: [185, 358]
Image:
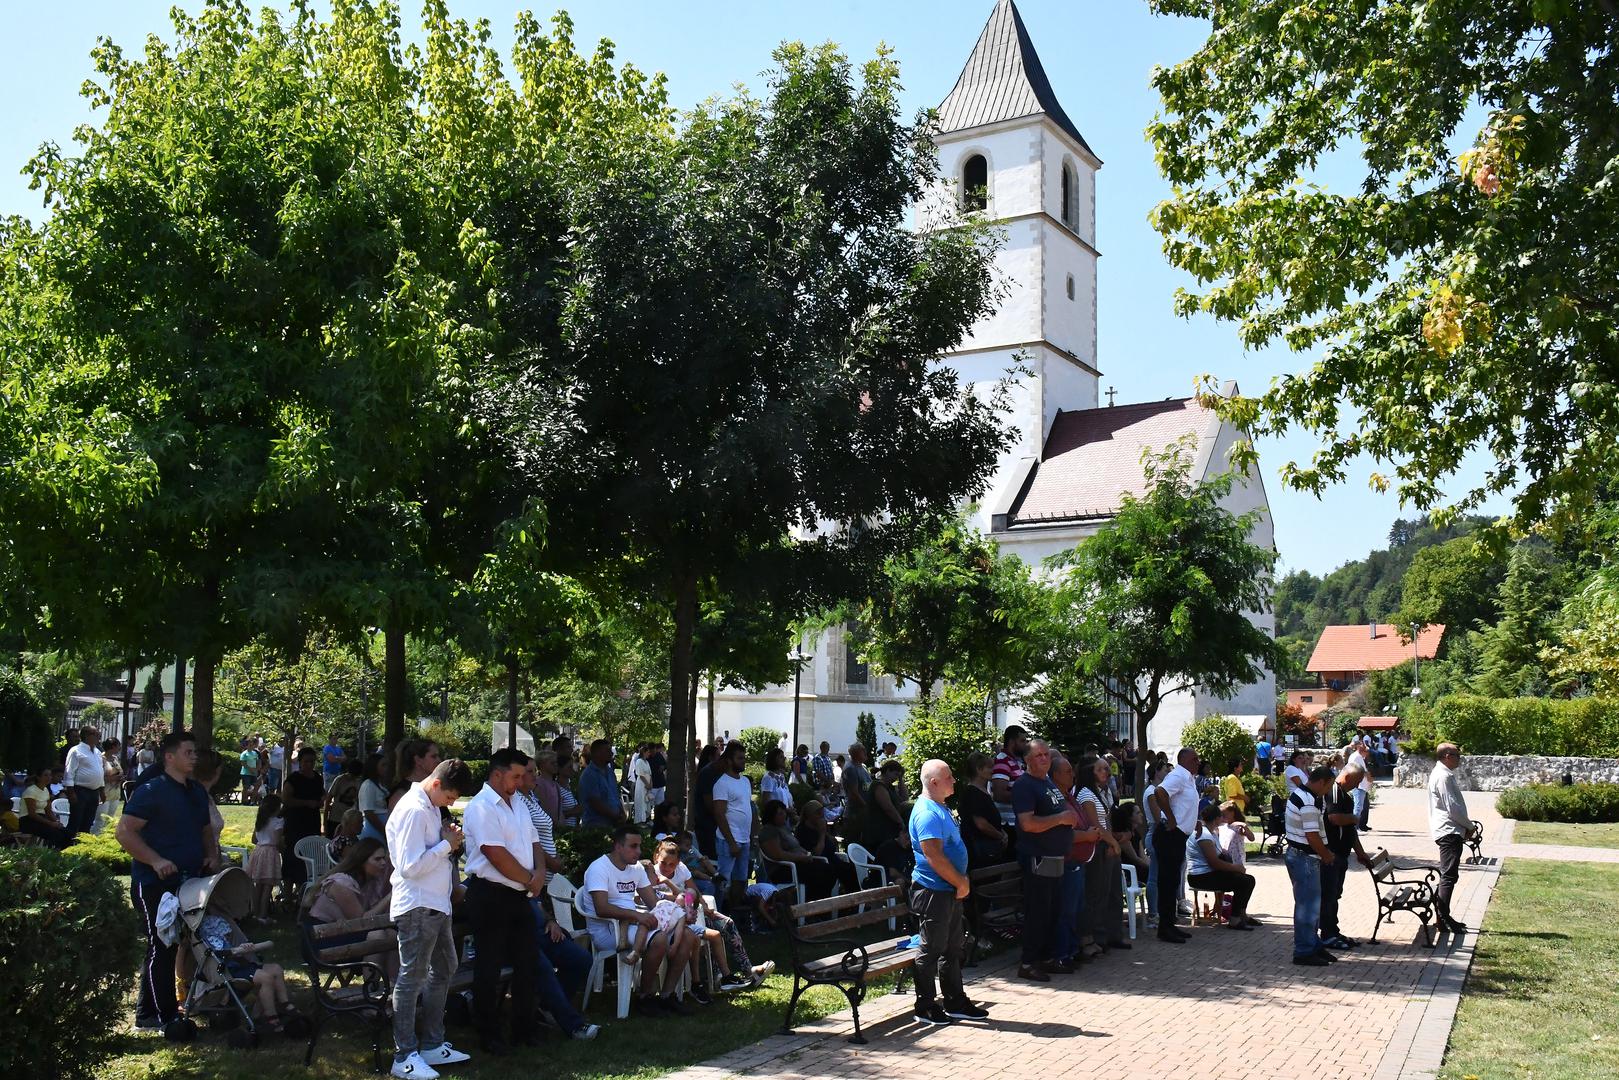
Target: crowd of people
[670, 890]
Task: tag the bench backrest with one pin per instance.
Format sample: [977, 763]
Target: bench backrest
[339, 954]
[1381, 865]
[881, 905]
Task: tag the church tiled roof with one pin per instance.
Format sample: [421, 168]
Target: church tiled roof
[1092, 457]
[1004, 80]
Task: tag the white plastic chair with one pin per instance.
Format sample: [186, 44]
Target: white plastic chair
[865, 866]
[1135, 894]
[561, 892]
[317, 859]
[627, 973]
[762, 873]
[62, 810]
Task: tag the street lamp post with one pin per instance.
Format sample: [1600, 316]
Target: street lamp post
[798, 657]
[1416, 662]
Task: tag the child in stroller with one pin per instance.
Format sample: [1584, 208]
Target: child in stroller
[227, 970]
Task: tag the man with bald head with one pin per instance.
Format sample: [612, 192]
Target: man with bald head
[1176, 799]
[1045, 824]
[1449, 825]
[938, 886]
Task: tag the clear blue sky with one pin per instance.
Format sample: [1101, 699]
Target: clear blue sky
[1098, 53]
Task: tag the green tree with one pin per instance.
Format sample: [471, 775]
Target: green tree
[1453, 585]
[1219, 740]
[1158, 600]
[325, 687]
[950, 726]
[747, 325]
[1428, 285]
[1532, 596]
[952, 606]
[1066, 711]
[26, 735]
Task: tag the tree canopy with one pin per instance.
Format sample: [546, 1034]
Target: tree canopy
[1459, 300]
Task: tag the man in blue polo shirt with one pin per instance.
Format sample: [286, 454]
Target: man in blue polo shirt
[599, 793]
[168, 832]
[938, 886]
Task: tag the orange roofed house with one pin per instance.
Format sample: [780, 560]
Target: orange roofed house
[1345, 654]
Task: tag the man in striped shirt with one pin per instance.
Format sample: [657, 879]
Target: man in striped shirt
[1306, 853]
[1007, 770]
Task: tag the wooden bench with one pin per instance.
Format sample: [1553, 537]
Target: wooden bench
[995, 903]
[349, 980]
[1395, 893]
[853, 969]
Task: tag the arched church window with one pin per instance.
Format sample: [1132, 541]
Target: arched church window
[1070, 198]
[975, 183]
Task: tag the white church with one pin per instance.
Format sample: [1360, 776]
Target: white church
[1009, 151]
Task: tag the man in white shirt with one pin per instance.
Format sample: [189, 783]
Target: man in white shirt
[82, 780]
[736, 821]
[278, 759]
[1449, 824]
[613, 883]
[422, 847]
[1176, 800]
[505, 868]
[1359, 761]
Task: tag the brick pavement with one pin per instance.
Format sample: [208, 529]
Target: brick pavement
[1226, 1004]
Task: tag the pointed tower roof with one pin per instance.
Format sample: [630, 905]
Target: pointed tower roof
[1004, 80]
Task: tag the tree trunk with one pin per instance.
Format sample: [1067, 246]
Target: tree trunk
[202, 702]
[682, 709]
[710, 713]
[692, 745]
[393, 685]
[179, 693]
[129, 701]
[1143, 718]
[511, 702]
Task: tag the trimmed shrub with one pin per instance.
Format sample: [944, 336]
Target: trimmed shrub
[1581, 727]
[758, 741]
[865, 733]
[1420, 733]
[1217, 741]
[103, 849]
[951, 727]
[71, 943]
[1580, 804]
[580, 846]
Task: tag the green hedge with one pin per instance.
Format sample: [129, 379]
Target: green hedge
[71, 942]
[1580, 727]
[1580, 804]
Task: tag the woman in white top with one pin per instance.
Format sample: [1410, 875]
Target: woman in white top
[374, 801]
[775, 783]
[641, 775]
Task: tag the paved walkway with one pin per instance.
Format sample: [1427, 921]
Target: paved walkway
[1225, 1005]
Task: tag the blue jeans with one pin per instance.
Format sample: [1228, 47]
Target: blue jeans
[733, 868]
[563, 966]
[1070, 903]
[1305, 870]
[1152, 882]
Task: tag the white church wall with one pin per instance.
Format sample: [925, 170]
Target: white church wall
[1017, 276]
[1069, 324]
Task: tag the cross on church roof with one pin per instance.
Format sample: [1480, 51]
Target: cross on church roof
[1004, 80]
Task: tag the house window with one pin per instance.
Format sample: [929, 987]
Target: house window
[975, 183]
[1123, 723]
[1306, 697]
[855, 671]
[1070, 197]
[1070, 286]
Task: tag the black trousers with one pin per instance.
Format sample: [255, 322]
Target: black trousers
[82, 804]
[502, 933]
[1450, 869]
[1332, 890]
[1102, 915]
[1240, 886]
[1042, 904]
[939, 918]
[156, 1001]
[1169, 848]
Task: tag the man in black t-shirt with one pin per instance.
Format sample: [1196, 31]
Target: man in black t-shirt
[1342, 834]
[1045, 824]
[660, 773]
[702, 806]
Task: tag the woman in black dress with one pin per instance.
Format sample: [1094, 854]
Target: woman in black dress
[302, 794]
[987, 842]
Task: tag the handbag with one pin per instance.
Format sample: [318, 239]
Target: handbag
[1052, 866]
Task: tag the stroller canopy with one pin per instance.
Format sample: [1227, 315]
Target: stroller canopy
[228, 893]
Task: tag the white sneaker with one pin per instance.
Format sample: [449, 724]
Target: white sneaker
[589, 1031]
[413, 1068]
[444, 1054]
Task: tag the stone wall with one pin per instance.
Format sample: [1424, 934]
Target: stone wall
[1485, 773]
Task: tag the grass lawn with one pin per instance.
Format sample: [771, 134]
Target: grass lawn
[656, 1047]
[1540, 999]
[1551, 832]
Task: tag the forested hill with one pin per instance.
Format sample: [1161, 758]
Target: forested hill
[1358, 591]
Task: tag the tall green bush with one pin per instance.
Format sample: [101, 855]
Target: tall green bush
[1575, 803]
[25, 731]
[1581, 727]
[758, 741]
[1218, 740]
[865, 733]
[951, 726]
[71, 942]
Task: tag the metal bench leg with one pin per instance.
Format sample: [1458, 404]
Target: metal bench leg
[792, 1004]
[1377, 925]
[314, 1033]
[856, 994]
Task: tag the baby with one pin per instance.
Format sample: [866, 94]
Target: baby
[241, 962]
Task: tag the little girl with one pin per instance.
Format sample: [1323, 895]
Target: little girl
[264, 861]
[275, 1006]
[672, 879]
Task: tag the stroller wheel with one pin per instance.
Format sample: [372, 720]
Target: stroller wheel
[183, 1030]
[224, 1021]
[242, 1039]
[458, 1009]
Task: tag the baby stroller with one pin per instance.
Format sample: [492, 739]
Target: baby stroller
[210, 914]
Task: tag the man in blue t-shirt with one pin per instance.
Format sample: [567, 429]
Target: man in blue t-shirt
[1045, 825]
[333, 760]
[1262, 756]
[168, 831]
[599, 794]
[938, 886]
